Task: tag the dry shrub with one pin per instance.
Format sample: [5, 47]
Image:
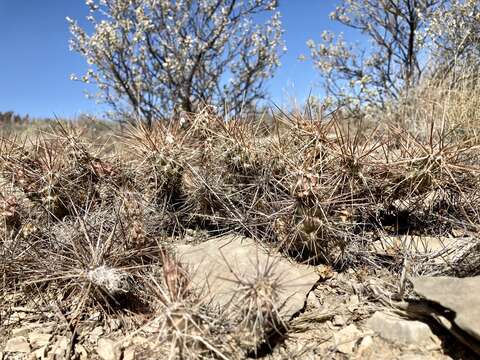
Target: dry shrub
[187, 325]
[56, 172]
[256, 308]
[184, 326]
[86, 261]
[314, 186]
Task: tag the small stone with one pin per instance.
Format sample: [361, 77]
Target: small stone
[129, 354]
[18, 344]
[23, 331]
[312, 302]
[96, 333]
[152, 327]
[115, 324]
[96, 316]
[353, 303]
[22, 315]
[402, 331]
[139, 340]
[458, 232]
[365, 345]
[339, 320]
[107, 350]
[346, 339]
[38, 339]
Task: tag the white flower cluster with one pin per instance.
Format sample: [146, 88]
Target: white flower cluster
[454, 32]
[393, 62]
[155, 57]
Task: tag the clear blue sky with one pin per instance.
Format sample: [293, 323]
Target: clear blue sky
[35, 62]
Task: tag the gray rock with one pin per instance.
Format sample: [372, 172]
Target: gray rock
[461, 295]
[402, 331]
[216, 265]
[18, 345]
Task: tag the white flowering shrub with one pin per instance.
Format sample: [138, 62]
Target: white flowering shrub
[154, 58]
[454, 31]
[391, 64]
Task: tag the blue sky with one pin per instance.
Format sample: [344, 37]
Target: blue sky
[35, 62]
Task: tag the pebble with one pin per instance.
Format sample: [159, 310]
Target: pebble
[346, 339]
[129, 354]
[107, 350]
[37, 339]
[402, 331]
[339, 320]
[95, 334]
[365, 346]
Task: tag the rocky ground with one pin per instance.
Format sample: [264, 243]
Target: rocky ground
[324, 314]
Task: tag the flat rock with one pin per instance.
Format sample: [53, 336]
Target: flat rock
[461, 295]
[38, 339]
[421, 245]
[18, 345]
[44, 328]
[217, 264]
[402, 331]
[346, 339]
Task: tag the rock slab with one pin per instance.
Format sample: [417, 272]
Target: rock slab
[18, 344]
[217, 264]
[461, 295]
[402, 331]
